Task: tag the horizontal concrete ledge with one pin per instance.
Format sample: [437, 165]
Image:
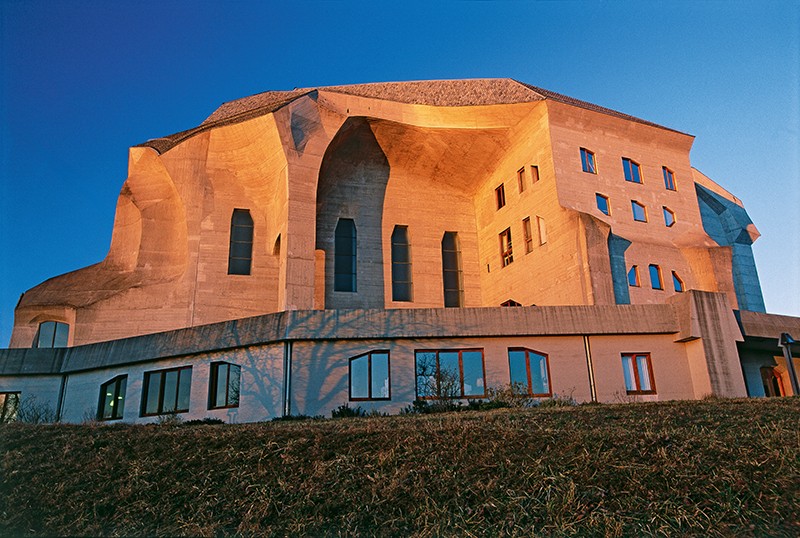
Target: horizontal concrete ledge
[347, 325]
[759, 324]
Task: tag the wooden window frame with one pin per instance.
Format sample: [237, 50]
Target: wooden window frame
[635, 269]
[161, 386]
[636, 203]
[665, 211]
[371, 397]
[669, 179]
[506, 248]
[213, 381]
[460, 352]
[527, 233]
[638, 390]
[521, 179]
[679, 281]
[500, 196]
[588, 161]
[660, 286]
[101, 407]
[597, 198]
[534, 174]
[528, 351]
[628, 168]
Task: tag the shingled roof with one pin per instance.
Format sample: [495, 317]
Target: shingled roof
[446, 93]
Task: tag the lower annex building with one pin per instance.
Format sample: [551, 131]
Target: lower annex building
[304, 249]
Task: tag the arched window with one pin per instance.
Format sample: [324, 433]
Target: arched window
[401, 265]
[451, 270]
[240, 254]
[344, 260]
[51, 334]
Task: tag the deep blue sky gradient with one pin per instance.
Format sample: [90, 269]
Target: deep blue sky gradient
[84, 80]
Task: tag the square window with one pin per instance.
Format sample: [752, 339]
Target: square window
[224, 387]
[534, 173]
[166, 391]
[506, 251]
[632, 170]
[639, 211]
[369, 376]
[587, 161]
[669, 217]
[500, 196]
[669, 178]
[633, 276]
[677, 283]
[526, 228]
[655, 277]
[521, 179]
[446, 374]
[638, 372]
[529, 371]
[602, 203]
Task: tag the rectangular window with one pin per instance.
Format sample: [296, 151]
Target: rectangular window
[587, 161]
[370, 377]
[638, 372]
[500, 195]
[240, 255]
[526, 229]
[633, 276]
[456, 373]
[669, 217]
[9, 406]
[166, 391]
[534, 173]
[655, 277]
[632, 171]
[112, 398]
[602, 203]
[529, 371]
[224, 385]
[677, 283]
[401, 265]
[521, 179]
[451, 270]
[506, 251]
[542, 227]
[639, 211]
[51, 334]
[344, 256]
[669, 178]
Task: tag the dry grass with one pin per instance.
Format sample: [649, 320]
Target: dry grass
[710, 468]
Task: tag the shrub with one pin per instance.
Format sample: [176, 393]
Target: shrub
[202, 421]
[31, 411]
[345, 411]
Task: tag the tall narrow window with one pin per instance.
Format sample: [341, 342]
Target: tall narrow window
[639, 211]
[632, 171]
[112, 398]
[669, 217]
[401, 265]
[51, 334]
[542, 226]
[655, 278]
[677, 283]
[521, 179]
[506, 251]
[451, 270]
[9, 405]
[587, 161]
[526, 229]
[602, 203]
[534, 173]
[344, 260]
[369, 376]
[669, 178]
[456, 373]
[225, 385]
[240, 254]
[500, 195]
[166, 391]
[529, 371]
[633, 276]
[638, 372]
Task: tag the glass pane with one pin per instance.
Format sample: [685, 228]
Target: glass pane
[184, 390]
[518, 369]
[449, 375]
[119, 408]
[153, 388]
[238, 266]
[539, 381]
[627, 370]
[401, 291]
[343, 282]
[676, 282]
[637, 178]
[633, 276]
[241, 250]
[170, 391]
[108, 400]
[380, 375]
[401, 272]
[638, 211]
[602, 203]
[359, 377]
[234, 384]
[220, 395]
[452, 298]
[241, 217]
[451, 280]
[655, 277]
[644, 372]
[62, 335]
[473, 373]
[242, 234]
[426, 373]
[449, 241]
[47, 332]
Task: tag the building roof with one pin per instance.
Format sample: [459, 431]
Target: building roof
[445, 93]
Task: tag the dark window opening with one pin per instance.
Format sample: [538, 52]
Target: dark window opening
[370, 376]
[344, 262]
[240, 254]
[112, 398]
[402, 289]
[51, 334]
[166, 391]
[506, 250]
[500, 196]
[451, 270]
[224, 386]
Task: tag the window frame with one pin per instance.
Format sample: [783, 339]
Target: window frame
[500, 196]
[636, 377]
[541, 228]
[371, 397]
[659, 274]
[527, 233]
[213, 382]
[677, 283]
[396, 264]
[339, 264]
[146, 388]
[5, 415]
[669, 179]
[506, 248]
[459, 276]
[236, 239]
[57, 326]
[634, 205]
[460, 352]
[667, 211]
[632, 171]
[117, 382]
[597, 198]
[635, 270]
[521, 179]
[534, 174]
[588, 161]
[528, 352]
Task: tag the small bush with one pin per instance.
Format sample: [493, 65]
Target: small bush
[31, 411]
[203, 421]
[557, 401]
[345, 411]
[168, 420]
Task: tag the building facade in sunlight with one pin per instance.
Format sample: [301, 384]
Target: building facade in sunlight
[373, 235]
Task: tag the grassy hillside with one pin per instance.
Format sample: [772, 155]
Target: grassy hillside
[711, 468]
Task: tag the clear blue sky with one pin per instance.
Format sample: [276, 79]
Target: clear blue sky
[84, 80]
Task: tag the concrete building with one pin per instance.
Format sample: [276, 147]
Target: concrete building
[303, 249]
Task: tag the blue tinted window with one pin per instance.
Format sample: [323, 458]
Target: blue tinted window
[602, 204]
[669, 178]
[240, 254]
[639, 212]
[633, 276]
[655, 277]
[632, 171]
[344, 251]
[587, 161]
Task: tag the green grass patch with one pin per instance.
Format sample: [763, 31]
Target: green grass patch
[708, 468]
